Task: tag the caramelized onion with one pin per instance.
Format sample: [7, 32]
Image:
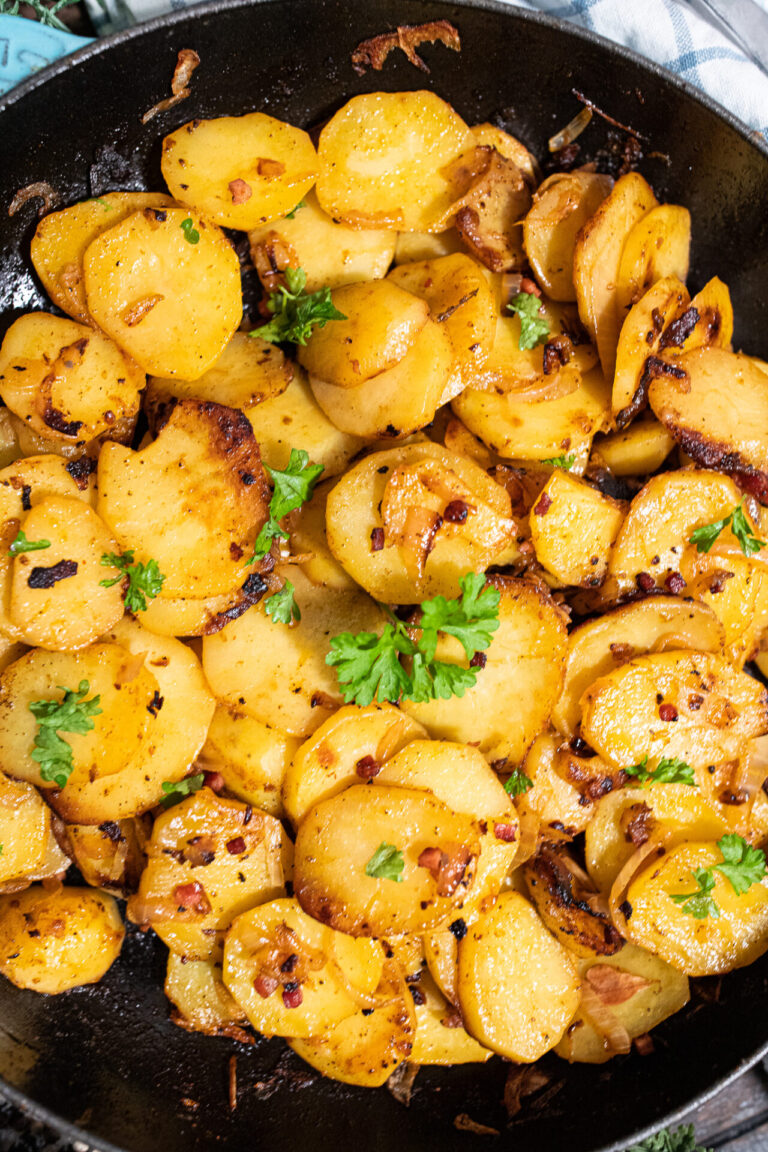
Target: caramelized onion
[619, 887]
[604, 1021]
[186, 62]
[40, 190]
[571, 132]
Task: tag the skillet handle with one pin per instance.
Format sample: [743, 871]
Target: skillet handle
[27, 46]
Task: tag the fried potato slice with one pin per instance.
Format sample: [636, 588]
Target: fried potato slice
[562, 205]
[552, 798]
[638, 450]
[641, 337]
[573, 527]
[25, 825]
[509, 146]
[310, 542]
[518, 990]
[53, 941]
[110, 855]
[658, 246]
[200, 1001]
[562, 900]
[172, 302]
[440, 1037]
[251, 757]
[412, 246]
[383, 157]
[241, 171]
[489, 215]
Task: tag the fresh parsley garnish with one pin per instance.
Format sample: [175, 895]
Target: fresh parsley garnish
[705, 536]
[667, 771]
[368, 666]
[176, 790]
[282, 606]
[72, 714]
[103, 203]
[296, 312]
[565, 462]
[292, 488]
[290, 215]
[518, 783]
[144, 580]
[534, 328]
[191, 234]
[21, 544]
[742, 867]
[387, 863]
[671, 1140]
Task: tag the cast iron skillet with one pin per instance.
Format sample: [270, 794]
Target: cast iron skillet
[107, 1060]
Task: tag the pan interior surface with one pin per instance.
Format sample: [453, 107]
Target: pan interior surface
[107, 1058]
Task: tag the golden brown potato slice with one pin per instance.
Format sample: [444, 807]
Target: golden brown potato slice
[293, 976]
[515, 691]
[402, 494]
[573, 527]
[59, 244]
[638, 450]
[707, 712]
[399, 401]
[56, 598]
[658, 246]
[66, 381]
[440, 1037]
[411, 246]
[441, 951]
[166, 291]
[200, 1001]
[635, 991]
[251, 757]
[366, 1048]
[199, 616]
[597, 260]
[713, 326]
[208, 860]
[241, 171]
[294, 690]
[698, 947]
[383, 158]
[53, 941]
[718, 411]
[641, 337]
[329, 252]
[561, 207]
[204, 481]
[25, 824]
[52, 867]
[341, 837]
[352, 745]
[489, 215]
[598, 646]
[562, 900]
[552, 799]
[509, 146]
[518, 990]
[310, 542]
[110, 855]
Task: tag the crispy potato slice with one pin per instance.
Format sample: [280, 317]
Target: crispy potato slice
[252, 758]
[201, 615]
[168, 300]
[309, 541]
[366, 1048]
[658, 246]
[573, 527]
[352, 745]
[241, 171]
[698, 947]
[598, 646]
[637, 988]
[208, 860]
[294, 690]
[111, 855]
[331, 971]
[518, 990]
[637, 450]
[331, 253]
[597, 260]
[25, 825]
[441, 951]
[718, 412]
[56, 598]
[66, 381]
[553, 798]
[382, 161]
[509, 146]
[641, 336]
[204, 481]
[200, 1001]
[338, 838]
[515, 691]
[489, 215]
[707, 712]
[53, 941]
[562, 901]
[59, 243]
[418, 476]
[399, 401]
[440, 1037]
[561, 207]
[714, 323]
[53, 867]
[295, 419]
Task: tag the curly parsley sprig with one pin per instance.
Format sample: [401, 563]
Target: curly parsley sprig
[144, 580]
[742, 866]
[292, 488]
[71, 714]
[671, 1140]
[705, 536]
[281, 606]
[296, 312]
[534, 328]
[667, 771]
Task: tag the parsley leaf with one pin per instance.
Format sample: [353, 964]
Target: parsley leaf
[144, 580]
[387, 863]
[667, 771]
[290, 215]
[21, 544]
[292, 488]
[565, 462]
[518, 783]
[534, 328]
[103, 203]
[296, 312]
[282, 606]
[742, 867]
[72, 714]
[681, 1139]
[176, 790]
[705, 536]
[368, 666]
[699, 904]
[191, 234]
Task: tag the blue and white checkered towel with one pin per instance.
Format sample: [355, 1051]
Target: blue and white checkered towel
[667, 31]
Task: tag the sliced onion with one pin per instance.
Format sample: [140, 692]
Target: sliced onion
[624, 878]
[571, 132]
[528, 834]
[675, 641]
[604, 1021]
[544, 388]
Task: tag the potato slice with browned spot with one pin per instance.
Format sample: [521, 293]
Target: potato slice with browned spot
[509, 146]
[200, 1001]
[562, 899]
[638, 450]
[440, 1036]
[561, 207]
[309, 541]
[166, 287]
[111, 855]
[25, 824]
[658, 246]
[573, 527]
[251, 757]
[641, 337]
[553, 799]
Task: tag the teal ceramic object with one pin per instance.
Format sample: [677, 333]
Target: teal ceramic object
[26, 47]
